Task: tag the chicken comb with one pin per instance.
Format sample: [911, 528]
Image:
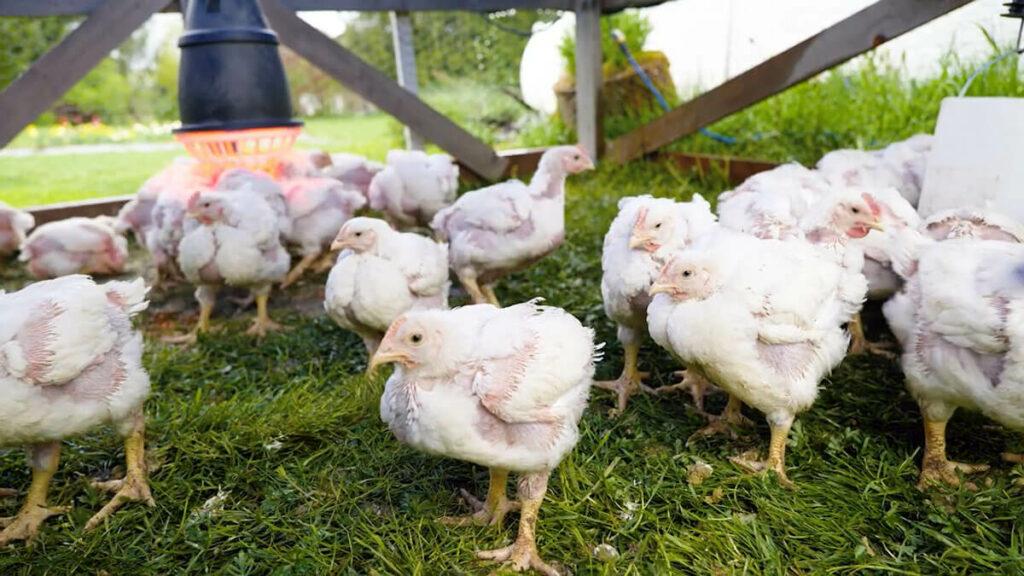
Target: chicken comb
[641, 217]
[875, 208]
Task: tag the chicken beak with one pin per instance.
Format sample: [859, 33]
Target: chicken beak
[660, 288]
[876, 225]
[338, 245]
[385, 357]
[589, 165]
[638, 241]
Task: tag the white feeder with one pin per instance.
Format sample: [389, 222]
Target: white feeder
[975, 157]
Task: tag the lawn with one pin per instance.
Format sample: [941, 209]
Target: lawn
[273, 460]
[48, 178]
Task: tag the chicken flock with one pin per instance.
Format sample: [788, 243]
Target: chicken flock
[760, 300]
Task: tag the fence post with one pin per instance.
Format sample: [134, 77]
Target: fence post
[405, 64]
[589, 128]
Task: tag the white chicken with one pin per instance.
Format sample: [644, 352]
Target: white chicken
[236, 242]
[137, 215]
[973, 224]
[14, 225]
[413, 187]
[909, 159]
[318, 207]
[70, 361]
[959, 322]
[382, 274]
[900, 165]
[75, 246]
[249, 182]
[761, 318]
[506, 227]
[352, 170]
[303, 164]
[167, 230]
[502, 388]
[638, 240]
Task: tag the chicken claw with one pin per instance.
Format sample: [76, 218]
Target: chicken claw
[630, 382]
[25, 526]
[724, 423]
[697, 385]
[262, 323]
[522, 554]
[133, 487]
[486, 513]
[859, 343]
[776, 456]
[935, 467]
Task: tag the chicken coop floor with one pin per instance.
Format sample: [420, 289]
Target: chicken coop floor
[271, 458]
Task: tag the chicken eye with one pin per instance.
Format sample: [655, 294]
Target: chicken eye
[416, 338]
[575, 156]
[855, 210]
[687, 273]
[358, 234]
[656, 226]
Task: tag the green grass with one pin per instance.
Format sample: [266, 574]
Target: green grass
[311, 482]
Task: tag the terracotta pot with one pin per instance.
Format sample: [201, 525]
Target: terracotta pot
[622, 91]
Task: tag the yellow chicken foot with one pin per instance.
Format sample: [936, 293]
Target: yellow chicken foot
[299, 269]
[490, 512]
[522, 554]
[630, 382]
[1007, 457]
[697, 385]
[262, 323]
[859, 343]
[133, 487]
[935, 467]
[473, 289]
[44, 459]
[724, 423]
[776, 456]
[492, 298]
[203, 325]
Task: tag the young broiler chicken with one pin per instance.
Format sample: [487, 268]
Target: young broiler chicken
[502, 388]
[382, 274]
[506, 227]
[638, 240]
[900, 165]
[413, 187]
[761, 318]
[770, 204]
[959, 321]
[352, 170]
[236, 242]
[70, 362]
[75, 246]
[14, 225]
[318, 208]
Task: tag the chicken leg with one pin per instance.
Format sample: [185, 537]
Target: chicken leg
[697, 385]
[371, 348]
[522, 554]
[935, 467]
[492, 298]
[473, 289]
[43, 458]
[776, 453]
[859, 343]
[133, 487]
[723, 423]
[207, 297]
[326, 262]
[262, 323]
[490, 512]
[630, 381]
[299, 269]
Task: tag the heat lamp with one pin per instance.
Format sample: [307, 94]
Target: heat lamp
[232, 90]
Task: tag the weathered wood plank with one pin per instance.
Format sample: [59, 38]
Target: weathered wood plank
[876, 24]
[589, 123]
[73, 7]
[84, 208]
[66, 63]
[405, 64]
[380, 90]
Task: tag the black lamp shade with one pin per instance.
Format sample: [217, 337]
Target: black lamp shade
[230, 76]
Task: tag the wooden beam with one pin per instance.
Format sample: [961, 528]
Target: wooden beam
[66, 63]
[589, 120]
[405, 64]
[382, 91]
[876, 24]
[84, 208]
[75, 7]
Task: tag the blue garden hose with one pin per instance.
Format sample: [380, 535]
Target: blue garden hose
[620, 39]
